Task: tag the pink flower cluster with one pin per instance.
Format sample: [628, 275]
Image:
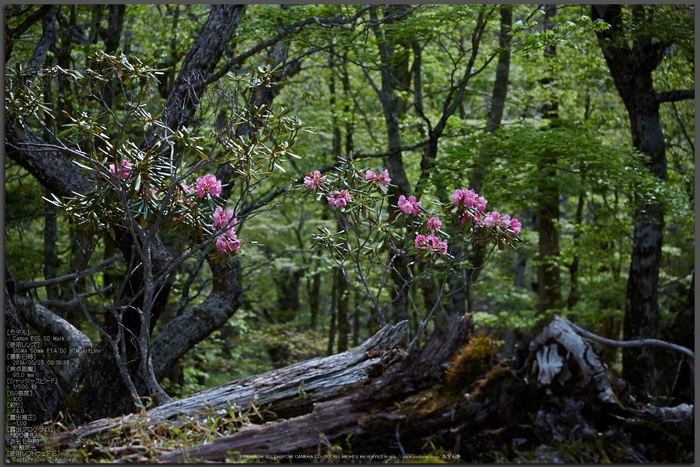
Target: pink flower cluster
[410, 205]
[314, 179]
[339, 198]
[494, 220]
[431, 243]
[208, 184]
[382, 179]
[469, 199]
[434, 223]
[227, 242]
[124, 169]
[476, 204]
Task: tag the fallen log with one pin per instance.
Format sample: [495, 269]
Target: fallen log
[286, 392]
[451, 402]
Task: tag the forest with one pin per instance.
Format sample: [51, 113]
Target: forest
[349, 233]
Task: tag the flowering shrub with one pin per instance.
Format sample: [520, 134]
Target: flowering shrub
[359, 199]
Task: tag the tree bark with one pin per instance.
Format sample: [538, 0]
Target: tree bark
[12, 35]
[631, 64]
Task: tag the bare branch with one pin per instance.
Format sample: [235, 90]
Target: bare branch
[69, 277]
[674, 96]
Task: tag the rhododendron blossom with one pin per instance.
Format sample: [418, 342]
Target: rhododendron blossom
[314, 179]
[492, 219]
[209, 184]
[339, 198]
[228, 243]
[434, 223]
[223, 219]
[431, 243]
[382, 179]
[466, 198]
[410, 205]
[516, 226]
[186, 188]
[124, 169]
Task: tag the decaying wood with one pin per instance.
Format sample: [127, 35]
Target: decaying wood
[353, 415]
[462, 400]
[560, 331]
[415, 409]
[288, 392]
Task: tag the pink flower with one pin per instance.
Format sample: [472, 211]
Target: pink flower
[314, 179]
[124, 169]
[339, 198]
[228, 243]
[210, 184]
[492, 219]
[515, 225]
[223, 219]
[434, 223]
[431, 243]
[466, 198]
[382, 179]
[410, 205]
[481, 203]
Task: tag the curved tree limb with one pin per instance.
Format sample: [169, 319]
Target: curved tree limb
[636, 343]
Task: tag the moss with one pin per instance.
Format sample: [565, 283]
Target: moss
[472, 360]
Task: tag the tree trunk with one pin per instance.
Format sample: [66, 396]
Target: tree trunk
[320, 379]
[548, 272]
[574, 266]
[631, 64]
[288, 282]
[333, 311]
